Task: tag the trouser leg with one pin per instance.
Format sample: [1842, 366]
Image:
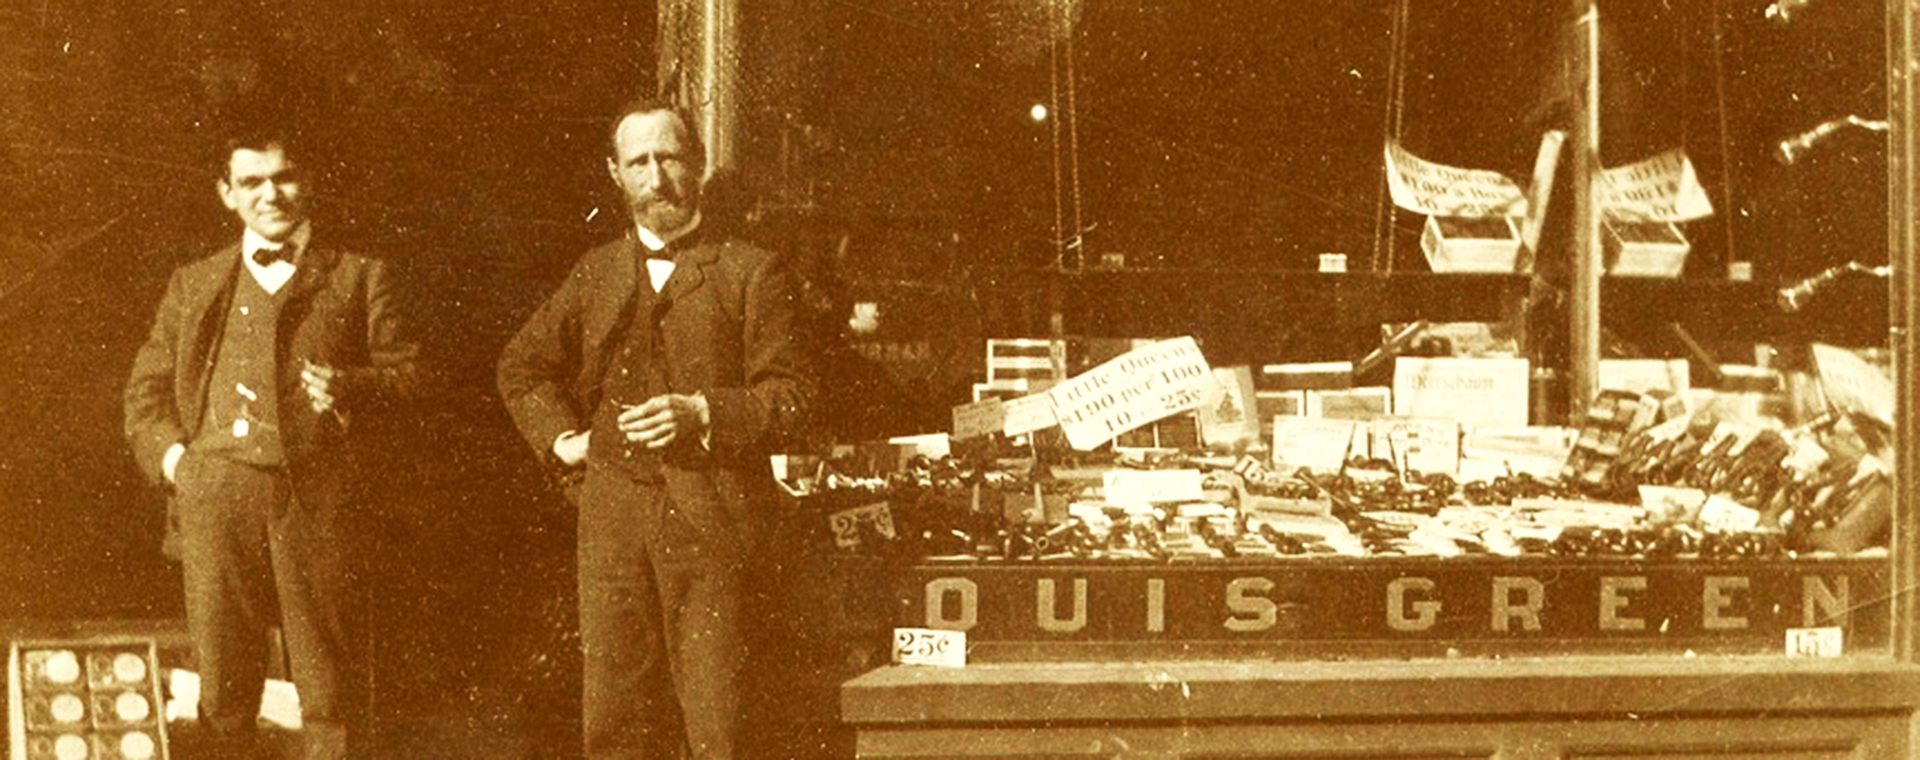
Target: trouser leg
[310, 558]
[704, 630]
[626, 697]
[229, 588]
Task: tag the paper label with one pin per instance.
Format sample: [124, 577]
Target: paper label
[1642, 375]
[1422, 186]
[846, 524]
[1852, 384]
[980, 418]
[1670, 504]
[1027, 414]
[1727, 516]
[1125, 487]
[1315, 443]
[1131, 390]
[1815, 642]
[1475, 392]
[933, 445]
[1229, 413]
[1361, 404]
[1663, 188]
[1429, 446]
[927, 646]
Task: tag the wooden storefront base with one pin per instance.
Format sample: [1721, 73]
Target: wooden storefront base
[1514, 709]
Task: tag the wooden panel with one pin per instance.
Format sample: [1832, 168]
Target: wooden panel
[1534, 709]
[1320, 607]
[1753, 738]
[1428, 689]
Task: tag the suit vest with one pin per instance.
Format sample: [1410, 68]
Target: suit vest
[637, 372]
[242, 420]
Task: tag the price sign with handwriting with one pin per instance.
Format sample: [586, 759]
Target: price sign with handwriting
[846, 524]
[977, 419]
[1136, 388]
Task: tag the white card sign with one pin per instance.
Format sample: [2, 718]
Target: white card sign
[1428, 446]
[845, 524]
[1131, 390]
[1663, 188]
[1852, 384]
[1027, 414]
[1316, 443]
[980, 418]
[1642, 375]
[1476, 392]
[1229, 413]
[1815, 642]
[1423, 186]
[1139, 487]
[928, 646]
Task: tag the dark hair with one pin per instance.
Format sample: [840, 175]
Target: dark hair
[652, 105]
[256, 139]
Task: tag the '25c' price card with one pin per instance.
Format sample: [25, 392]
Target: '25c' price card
[926, 646]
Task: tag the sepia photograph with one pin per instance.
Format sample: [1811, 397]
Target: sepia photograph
[783, 380]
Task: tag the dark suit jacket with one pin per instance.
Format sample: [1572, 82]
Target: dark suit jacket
[340, 310]
[729, 329]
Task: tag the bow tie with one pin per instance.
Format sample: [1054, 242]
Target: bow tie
[266, 256]
[664, 254]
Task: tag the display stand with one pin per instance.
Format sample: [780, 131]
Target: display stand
[1585, 696]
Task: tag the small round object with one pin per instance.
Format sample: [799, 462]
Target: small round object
[67, 708]
[136, 745]
[132, 708]
[62, 667]
[129, 668]
[70, 747]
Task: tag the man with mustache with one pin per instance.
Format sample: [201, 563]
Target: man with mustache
[659, 377]
[241, 403]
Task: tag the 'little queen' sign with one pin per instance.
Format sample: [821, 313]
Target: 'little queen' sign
[1133, 389]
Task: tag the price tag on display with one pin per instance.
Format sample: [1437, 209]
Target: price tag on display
[1027, 414]
[977, 419]
[926, 646]
[1726, 515]
[1814, 642]
[846, 524]
[1130, 391]
[1152, 486]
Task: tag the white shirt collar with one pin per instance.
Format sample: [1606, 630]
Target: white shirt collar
[656, 241]
[273, 276]
[251, 241]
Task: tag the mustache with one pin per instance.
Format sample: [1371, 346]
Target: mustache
[666, 196]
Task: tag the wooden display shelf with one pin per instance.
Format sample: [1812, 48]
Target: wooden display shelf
[1560, 707]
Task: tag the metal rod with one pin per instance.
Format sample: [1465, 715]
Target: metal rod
[1584, 321]
[1903, 234]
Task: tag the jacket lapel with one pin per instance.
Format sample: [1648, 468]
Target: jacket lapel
[689, 268]
[313, 274]
[613, 300]
[208, 288]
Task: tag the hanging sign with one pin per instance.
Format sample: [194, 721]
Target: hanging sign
[1131, 390]
[1663, 188]
[1422, 186]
